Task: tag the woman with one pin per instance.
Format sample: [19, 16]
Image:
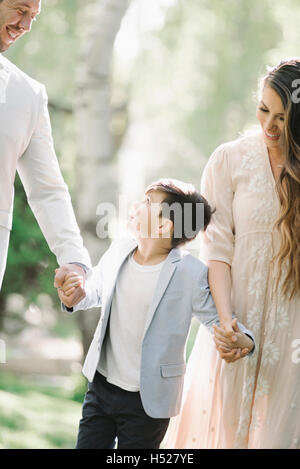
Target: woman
[252, 249]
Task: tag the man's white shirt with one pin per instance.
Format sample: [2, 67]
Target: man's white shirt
[27, 147]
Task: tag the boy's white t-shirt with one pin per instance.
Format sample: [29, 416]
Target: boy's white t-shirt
[120, 360]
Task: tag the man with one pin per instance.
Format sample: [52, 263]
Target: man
[27, 146]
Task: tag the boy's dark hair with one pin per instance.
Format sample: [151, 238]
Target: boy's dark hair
[180, 193]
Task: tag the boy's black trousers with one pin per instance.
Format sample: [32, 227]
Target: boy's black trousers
[110, 412]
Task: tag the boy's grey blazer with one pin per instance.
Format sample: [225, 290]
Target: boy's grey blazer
[182, 292]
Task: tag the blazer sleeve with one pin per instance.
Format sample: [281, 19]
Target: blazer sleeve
[47, 193]
[217, 242]
[93, 289]
[204, 308]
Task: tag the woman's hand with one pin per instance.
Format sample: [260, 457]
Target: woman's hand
[234, 355]
[228, 332]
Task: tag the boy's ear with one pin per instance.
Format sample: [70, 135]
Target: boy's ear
[166, 228]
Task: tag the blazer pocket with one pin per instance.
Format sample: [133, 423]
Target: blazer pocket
[169, 371]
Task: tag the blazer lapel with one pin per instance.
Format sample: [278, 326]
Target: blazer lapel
[163, 281]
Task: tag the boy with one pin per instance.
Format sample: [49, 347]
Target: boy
[149, 289]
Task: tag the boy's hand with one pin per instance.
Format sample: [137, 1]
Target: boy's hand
[228, 351]
[229, 332]
[72, 290]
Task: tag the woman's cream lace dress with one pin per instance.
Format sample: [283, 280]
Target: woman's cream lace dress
[254, 402]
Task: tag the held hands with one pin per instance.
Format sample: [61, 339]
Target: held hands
[69, 281]
[231, 343]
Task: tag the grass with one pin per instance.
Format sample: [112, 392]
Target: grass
[36, 417]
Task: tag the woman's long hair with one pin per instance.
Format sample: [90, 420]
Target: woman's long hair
[284, 79]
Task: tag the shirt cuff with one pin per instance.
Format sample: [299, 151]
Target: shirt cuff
[251, 352]
[83, 266]
[245, 331]
[65, 309]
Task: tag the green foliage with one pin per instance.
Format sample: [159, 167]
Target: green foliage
[30, 266]
[195, 78]
[50, 49]
[79, 388]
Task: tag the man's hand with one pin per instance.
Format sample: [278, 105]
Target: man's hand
[62, 271]
[70, 281]
[228, 351]
[72, 291]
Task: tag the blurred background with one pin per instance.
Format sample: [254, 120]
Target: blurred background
[138, 90]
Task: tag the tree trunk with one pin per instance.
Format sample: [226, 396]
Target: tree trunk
[96, 171]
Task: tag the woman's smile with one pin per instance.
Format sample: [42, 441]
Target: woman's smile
[272, 135]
